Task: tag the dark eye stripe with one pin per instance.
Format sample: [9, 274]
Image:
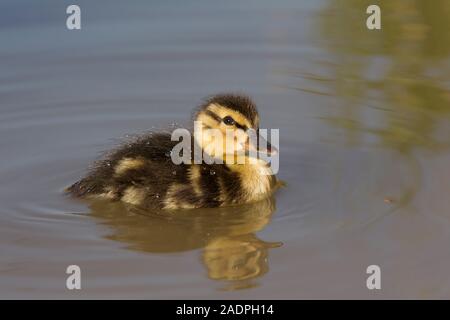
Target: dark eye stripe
[240, 126]
[219, 119]
[213, 115]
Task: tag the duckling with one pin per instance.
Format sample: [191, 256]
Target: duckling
[142, 173]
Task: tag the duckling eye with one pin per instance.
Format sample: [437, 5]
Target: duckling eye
[229, 121]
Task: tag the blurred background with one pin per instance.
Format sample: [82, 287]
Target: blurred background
[364, 119]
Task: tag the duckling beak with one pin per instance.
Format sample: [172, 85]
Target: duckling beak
[262, 146]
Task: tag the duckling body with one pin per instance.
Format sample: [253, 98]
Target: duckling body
[142, 172]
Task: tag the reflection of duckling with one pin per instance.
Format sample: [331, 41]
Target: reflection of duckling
[231, 250]
[142, 172]
[237, 258]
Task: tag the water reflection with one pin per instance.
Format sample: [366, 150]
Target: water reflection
[230, 249]
[392, 85]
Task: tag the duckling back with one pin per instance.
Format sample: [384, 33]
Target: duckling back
[139, 172]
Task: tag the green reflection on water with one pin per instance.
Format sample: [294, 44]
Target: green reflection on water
[387, 88]
[393, 83]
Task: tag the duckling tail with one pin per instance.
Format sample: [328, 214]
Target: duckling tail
[82, 188]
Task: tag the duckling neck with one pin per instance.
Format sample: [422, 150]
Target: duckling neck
[257, 180]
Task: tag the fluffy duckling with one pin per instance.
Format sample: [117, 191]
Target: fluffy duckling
[142, 172]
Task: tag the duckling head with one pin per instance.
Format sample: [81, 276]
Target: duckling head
[226, 128]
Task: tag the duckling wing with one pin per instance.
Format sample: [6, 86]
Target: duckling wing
[136, 172]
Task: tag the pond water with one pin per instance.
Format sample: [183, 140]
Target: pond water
[364, 119]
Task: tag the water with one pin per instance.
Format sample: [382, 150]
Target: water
[364, 131]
